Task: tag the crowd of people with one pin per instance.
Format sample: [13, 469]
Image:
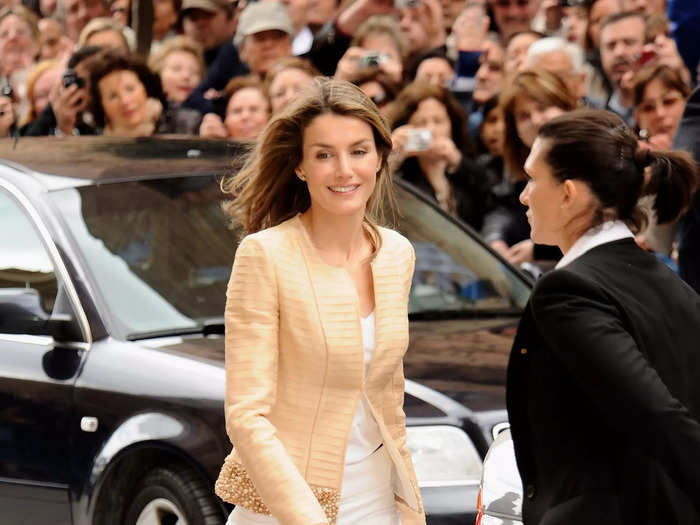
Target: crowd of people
[464, 84]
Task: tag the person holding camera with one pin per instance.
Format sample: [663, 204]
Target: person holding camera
[432, 149]
[377, 44]
[66, 113]
[8, 116]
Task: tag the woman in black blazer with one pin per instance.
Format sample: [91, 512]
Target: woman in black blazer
[603, 385]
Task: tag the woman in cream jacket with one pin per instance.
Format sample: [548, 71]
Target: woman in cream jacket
[317, 324]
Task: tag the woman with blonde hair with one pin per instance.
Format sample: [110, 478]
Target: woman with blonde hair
[179, 61]
[528, 100]
[317, 324]
[104, 33]
[40, 81]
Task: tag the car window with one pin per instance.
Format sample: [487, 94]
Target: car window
[454, 271]
[26, 268]
[160, 253]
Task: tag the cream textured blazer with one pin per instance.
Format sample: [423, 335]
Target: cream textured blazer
[294, 374]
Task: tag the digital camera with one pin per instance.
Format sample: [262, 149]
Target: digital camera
[418, 139]
[373, 59]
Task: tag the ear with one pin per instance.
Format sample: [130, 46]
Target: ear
[571, 192]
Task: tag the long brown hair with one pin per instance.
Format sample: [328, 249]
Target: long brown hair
[598, 148]
[267, 191]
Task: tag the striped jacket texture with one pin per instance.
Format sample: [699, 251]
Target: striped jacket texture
[295, 374]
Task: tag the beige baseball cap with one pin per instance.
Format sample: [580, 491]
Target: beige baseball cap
[210, 6]
[262, 16]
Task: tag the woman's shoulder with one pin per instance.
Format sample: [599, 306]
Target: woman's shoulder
[394, 243]
[274, 238]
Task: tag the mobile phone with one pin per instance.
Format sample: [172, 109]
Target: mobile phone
[644, 58]
[400, 4]
[418, 139]
[70, 77]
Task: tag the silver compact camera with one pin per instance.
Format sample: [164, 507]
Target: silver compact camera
[418, 139]
[400, 4]
[374, 59]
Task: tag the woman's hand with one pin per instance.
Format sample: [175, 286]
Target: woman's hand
[7, 116]
[350, 65]
[399, 153]
[470, 28]
[521, 252]
[212, 127]
[443, 150]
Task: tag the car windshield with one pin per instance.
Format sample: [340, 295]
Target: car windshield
[160, 253]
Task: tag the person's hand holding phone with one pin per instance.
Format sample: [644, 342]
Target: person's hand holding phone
[7, 116]
[68, 99]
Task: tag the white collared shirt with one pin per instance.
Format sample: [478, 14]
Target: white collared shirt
[607, 232]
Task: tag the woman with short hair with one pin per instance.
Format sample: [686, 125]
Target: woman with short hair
[127, 98]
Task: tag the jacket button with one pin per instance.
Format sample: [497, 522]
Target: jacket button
[530, 491]
[523, 351]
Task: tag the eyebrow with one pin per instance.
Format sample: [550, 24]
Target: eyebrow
[322, 145]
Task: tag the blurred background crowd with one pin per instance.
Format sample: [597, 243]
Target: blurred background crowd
[465, 85]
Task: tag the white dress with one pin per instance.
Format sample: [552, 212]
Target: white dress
[366, 495]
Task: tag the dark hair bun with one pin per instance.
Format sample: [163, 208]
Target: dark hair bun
[642, 158]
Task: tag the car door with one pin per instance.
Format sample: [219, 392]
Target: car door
[36, 378]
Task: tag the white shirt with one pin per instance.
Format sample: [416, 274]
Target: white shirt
[365, 436]
[607, 232]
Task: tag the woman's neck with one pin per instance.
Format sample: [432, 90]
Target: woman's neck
[340, 240]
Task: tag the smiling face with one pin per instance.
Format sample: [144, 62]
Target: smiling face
[340, 163]
[123, 98]
[180, 75]
[544, 196]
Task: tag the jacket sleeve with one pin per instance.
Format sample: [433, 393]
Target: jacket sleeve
[584, 330]
[252, 347]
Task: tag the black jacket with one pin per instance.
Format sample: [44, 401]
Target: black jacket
[469, 183]
[603, 393]
[45, 125]
[688, 138]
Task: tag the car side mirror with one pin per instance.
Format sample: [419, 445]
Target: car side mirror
[21, 312]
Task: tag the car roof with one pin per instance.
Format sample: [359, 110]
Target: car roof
[100, 159]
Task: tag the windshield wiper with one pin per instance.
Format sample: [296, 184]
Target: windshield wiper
[212, 326]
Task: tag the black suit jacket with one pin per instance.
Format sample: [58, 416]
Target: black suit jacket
[603, 393]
